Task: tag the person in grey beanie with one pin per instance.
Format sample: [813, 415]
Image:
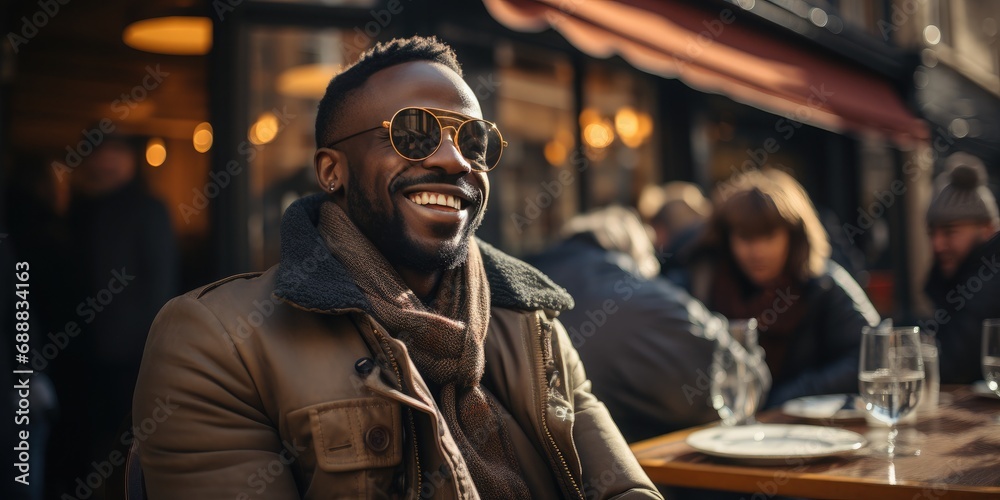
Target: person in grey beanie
[964, 282]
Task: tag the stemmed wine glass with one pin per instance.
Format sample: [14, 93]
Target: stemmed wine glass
[740, 378]
[991, 354]
[891, 377]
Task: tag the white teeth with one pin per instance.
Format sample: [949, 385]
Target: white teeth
[425, 198]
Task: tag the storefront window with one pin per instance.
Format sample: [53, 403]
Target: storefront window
[616, 125]
[288, 73]
[337, 3]
[536, 181]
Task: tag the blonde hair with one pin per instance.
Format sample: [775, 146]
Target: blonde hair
[759, 202]
[618, 229]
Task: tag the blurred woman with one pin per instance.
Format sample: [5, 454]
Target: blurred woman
[765, 255]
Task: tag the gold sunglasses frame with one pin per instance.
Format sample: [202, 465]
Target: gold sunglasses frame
[387, 124]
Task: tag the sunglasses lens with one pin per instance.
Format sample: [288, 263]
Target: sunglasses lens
[480, 143]
[415, 133]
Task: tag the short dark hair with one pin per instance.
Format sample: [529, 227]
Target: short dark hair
[377, 58]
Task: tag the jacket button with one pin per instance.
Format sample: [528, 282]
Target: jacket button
[364, 366]
[377, 439]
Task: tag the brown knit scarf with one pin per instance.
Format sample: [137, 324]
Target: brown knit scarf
[445, 341]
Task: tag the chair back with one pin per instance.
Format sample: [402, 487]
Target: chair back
[135, 487]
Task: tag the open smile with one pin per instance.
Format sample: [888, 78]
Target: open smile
[439, 198]
[435, 200]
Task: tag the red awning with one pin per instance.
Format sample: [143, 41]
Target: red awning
[711, 53]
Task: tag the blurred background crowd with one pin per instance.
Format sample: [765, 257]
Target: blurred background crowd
[816, 165]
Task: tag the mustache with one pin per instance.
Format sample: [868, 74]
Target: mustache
[458, 180]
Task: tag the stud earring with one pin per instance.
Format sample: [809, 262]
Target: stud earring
[333, 185]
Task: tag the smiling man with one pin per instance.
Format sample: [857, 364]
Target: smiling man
[390, 354]
[963, 222]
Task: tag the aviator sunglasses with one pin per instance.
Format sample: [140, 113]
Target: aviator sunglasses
[416, 134]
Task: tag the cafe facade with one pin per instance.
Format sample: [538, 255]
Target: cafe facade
[597, 101]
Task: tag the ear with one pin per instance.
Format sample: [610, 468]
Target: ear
[331, 169]
[987, 230]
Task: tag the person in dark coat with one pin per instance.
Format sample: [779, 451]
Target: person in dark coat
[647, 345]
[765, 255]
[963, 223]
[126, 259]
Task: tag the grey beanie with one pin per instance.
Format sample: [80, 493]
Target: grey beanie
[962, 194]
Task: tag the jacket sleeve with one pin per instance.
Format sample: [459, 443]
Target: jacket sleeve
[599, 444]
[960, 337]
[839, 314]
[197, 414]
[668, 341]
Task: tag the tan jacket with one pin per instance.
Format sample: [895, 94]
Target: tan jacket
[278, 385]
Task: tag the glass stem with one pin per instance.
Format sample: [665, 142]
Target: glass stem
[893, 431]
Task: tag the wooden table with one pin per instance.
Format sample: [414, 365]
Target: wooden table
[959, 457]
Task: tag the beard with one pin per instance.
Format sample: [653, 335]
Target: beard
[387, 231]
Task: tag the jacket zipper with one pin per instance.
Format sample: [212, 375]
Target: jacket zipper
[543, 405]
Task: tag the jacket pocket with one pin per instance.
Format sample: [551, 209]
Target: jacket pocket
[355, 434]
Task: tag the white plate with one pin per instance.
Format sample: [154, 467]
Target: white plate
[979, 388]
[837, 407]
[775, 444]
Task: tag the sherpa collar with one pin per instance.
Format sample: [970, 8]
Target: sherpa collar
[312, 278]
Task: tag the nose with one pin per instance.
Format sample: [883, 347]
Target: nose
[938, 242]
[447, 157]
[757, 248]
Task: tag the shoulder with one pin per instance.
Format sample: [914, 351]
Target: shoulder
[215, 305]
[837, 288]
[218, 298]
[514, 284]
[226, 286]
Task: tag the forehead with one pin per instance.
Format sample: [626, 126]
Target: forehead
[961, 226]
[417, 83]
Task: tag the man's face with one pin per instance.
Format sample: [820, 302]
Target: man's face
[953, 242]
[385, 193]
